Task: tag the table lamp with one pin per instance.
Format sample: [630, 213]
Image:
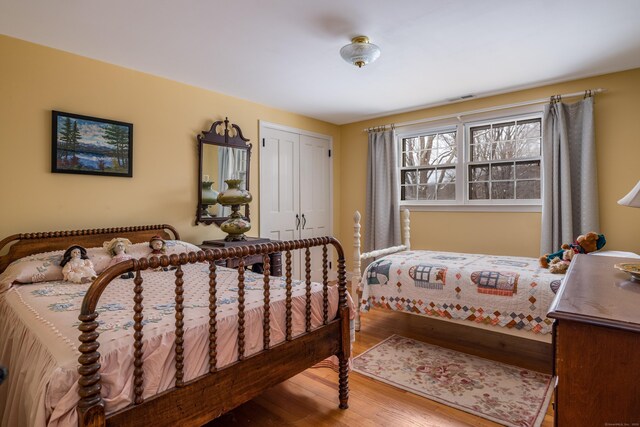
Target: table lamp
[633, 198]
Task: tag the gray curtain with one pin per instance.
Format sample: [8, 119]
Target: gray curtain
[382, 225]
[569, 181]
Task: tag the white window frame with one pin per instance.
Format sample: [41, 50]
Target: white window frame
[463, 128]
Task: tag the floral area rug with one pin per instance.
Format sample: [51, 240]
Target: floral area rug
[502, 393]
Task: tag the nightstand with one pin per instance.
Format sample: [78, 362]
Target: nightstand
[255, 262]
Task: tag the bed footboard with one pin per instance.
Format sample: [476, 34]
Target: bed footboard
[356, 286]
[221, 389]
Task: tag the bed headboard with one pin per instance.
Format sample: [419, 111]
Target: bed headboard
[33, 243]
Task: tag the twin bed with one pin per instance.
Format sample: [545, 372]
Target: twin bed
[513, 293]
[182, 342]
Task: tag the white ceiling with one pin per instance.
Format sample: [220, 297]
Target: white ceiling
[284, 53]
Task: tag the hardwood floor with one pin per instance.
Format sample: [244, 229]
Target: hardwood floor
[311, 398]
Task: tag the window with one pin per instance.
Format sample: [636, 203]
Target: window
[429, 167]
[504, 161]
[493, 162]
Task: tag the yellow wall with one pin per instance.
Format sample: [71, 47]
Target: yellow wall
[617, 125]
[168, 115]
[166, 118]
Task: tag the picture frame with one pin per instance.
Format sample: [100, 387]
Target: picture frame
[90, 145]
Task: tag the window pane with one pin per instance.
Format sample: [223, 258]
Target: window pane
[502, 190]
[408, 177]
[443, 156]
[503, 131]
[425, 158]
[411, 159]
[411, 144]
[446, 192]
[504, 150]
[502, 171]
[531, 148]
[481, 135]
[427, 176]
[427, 192]
[479, 191]
[529, 129]
[409, 192]
[528, 189]
[481, 152]
[446, 175]
[479, 173]
[527, 170]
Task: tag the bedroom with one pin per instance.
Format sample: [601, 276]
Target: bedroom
[167, 115]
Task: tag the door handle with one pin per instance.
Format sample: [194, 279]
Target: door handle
[297, 222]
[304, 221]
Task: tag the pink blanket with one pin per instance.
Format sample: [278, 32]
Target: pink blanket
[38, 341]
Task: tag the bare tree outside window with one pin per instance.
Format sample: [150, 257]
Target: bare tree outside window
[429, 167]
[500, 162]
[504, 161]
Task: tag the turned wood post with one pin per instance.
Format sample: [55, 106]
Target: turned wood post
[345, 353]
[357, 273]
[406, 229]
[91, 405]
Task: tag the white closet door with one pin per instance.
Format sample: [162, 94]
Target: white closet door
[295, 180]
[280, 189]
[315, 196]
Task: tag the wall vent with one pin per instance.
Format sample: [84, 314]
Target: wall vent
[462, 98]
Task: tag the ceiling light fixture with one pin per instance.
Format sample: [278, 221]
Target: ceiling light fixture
[360, 52]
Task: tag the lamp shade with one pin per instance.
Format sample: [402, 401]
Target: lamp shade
[633, 198]
[360, 52]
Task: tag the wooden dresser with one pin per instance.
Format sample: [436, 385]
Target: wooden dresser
[597, 345]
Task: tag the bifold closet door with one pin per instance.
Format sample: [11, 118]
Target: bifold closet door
[280, 189]
[295, 193]
[315, 197]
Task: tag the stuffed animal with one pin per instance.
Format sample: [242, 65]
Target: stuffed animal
[561, 265]
[584, 244]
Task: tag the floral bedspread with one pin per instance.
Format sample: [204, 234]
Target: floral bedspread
[513, 292]
[43, 318]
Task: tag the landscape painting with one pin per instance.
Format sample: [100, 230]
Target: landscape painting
[88, 145]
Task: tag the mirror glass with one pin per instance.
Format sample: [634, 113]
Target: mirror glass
[219, 164]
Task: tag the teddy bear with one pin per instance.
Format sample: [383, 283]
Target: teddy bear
[584, 244]
[561, 265]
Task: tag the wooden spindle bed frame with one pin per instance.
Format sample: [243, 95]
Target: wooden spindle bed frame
[221, 389]
[466, 336]
[356, 287]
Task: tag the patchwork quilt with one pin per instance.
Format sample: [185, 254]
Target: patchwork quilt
[513, 292]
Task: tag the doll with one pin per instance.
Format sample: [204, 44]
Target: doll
[76, 266]
[117, 248]
[158, 248]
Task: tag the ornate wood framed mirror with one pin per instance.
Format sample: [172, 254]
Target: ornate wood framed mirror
[224, 153]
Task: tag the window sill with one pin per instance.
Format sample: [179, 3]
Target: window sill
[470, 208]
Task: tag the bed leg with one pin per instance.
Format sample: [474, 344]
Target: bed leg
[356, 292]
[343, 359]
[344, 383]
[91, 406]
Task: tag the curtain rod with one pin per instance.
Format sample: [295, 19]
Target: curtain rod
[486, 110]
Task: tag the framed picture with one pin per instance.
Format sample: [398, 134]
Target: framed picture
[92, 146]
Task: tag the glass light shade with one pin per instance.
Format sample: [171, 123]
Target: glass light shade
[360, 52]
[633, 198]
